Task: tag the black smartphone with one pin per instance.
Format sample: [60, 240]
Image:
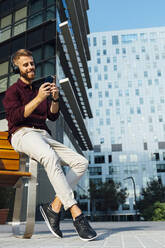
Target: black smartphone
[49, 79]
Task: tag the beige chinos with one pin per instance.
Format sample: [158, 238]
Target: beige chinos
[38, 144]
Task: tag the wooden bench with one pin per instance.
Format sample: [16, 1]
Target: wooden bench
[12, 173]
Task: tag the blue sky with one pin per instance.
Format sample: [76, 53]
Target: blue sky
[107, 15]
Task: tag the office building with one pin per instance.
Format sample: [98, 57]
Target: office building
[127, 100]
[56, 33]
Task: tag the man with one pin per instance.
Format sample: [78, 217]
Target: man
[26, 111]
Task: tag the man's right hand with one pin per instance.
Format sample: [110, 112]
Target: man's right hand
[44, 91]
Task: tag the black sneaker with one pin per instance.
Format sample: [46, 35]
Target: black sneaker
[84, 230]
[52, 219]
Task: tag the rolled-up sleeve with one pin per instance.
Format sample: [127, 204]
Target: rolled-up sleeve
[51, 116]
[13, 107]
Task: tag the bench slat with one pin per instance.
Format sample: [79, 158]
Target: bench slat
[9, 154]
[7, 164]
[9, 178]
[3, 135]
[15, 173]
[5, 144]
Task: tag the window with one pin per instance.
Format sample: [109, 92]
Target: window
[120, 93]
[100, 103]
[3, 84]
[104, 40]
[94, 41]
[97, 112]
[117, 51]
[138, 110]
[155, 156]
[105, 68]
[143, 37]
[49, 67]
[95, 68]
[115, 40]
[149, 82]
[99, 159]
[20, 14]
[145, 74]
[152, 109]
[124, 50]
[131, 110]
[96, 181]
[141, 100]
[105, 76]
[130, 84]
[99, 77]
[108, 60]
[108, 122]
[139, 82]
[100, 94]
[116, 147]
[93, 171]
[110, 103]
[101, 122]
[98, 52]
[128, 38]
[96, 85]
[6, 21]
[145, 146]
[160, 168]
[4, 68]
[123, 158]
[98, 60]
[117, 102]
[106, 93]
[20, 27]
[137, 92]
[133, 158]
[143, 49]
[115, 67]
[159, 73]
[109, 158]
[109, 85]
[161, 145]
[115, 59]
[104, 52]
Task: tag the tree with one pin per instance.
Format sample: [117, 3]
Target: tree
[110, 194]
[154, 192]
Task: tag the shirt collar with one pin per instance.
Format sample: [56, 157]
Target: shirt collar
[22, 84]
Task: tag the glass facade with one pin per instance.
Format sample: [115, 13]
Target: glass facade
[134, 95]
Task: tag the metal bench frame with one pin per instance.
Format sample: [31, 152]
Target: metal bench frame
[31, 201]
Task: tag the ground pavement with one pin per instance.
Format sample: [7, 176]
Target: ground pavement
[110, 235]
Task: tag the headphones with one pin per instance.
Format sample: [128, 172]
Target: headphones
[15, 68]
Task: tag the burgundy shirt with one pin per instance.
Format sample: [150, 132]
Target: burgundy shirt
[16, 97]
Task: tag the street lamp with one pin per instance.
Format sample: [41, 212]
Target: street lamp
[134, 188]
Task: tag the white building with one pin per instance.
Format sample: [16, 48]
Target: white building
[127, 99]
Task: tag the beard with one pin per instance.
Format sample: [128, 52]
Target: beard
[26, 75]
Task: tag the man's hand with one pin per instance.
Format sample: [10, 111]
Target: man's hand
[44, 91]
[54, 91]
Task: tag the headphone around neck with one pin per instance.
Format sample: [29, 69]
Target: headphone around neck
[15, 68]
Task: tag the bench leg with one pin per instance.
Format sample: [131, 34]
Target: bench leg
[31, 204]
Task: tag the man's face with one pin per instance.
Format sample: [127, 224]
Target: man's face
[27, 67]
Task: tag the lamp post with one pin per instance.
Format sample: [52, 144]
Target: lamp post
[134, 188]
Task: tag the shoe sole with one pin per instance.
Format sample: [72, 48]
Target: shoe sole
[47, 222]
[85, 239]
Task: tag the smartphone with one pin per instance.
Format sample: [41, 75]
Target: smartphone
[49, 79]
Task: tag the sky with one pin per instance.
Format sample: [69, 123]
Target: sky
[108, 15]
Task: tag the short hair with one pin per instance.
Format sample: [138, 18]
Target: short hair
[19, 53]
